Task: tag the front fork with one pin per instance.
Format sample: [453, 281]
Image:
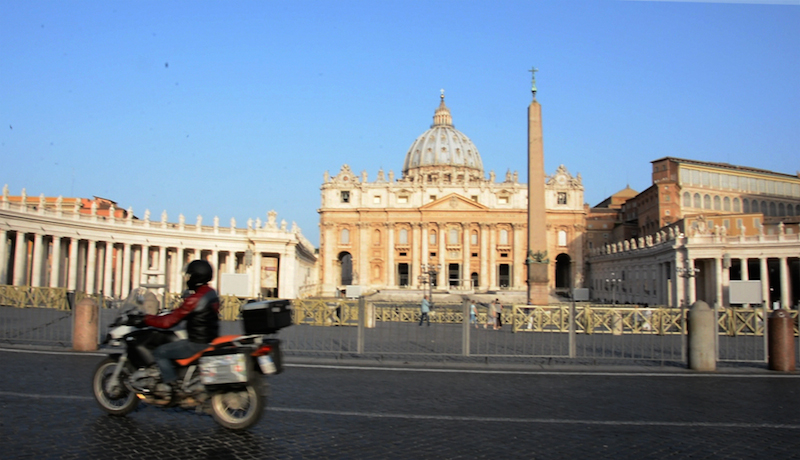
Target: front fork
[113, 384]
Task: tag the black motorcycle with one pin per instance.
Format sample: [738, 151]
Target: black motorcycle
[224, 380]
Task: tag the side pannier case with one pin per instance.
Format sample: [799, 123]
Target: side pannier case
[267, 316]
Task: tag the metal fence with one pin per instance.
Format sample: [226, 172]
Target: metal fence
[336, 327]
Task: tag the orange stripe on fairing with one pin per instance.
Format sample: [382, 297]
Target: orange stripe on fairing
[221, 339]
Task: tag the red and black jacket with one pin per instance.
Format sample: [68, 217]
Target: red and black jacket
[201, 312]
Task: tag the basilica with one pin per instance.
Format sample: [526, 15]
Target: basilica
[443, 224]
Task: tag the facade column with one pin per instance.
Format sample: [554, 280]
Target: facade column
[3, 256]
[465, 255]
[441, 255]
[177, 283]
[518, 253]
[390, 269]
[20, 256]
[91, 266]
[784, 272]
[492, 255]
[55, 265]
[678, 284]
[483, 279]
[108, 270]
[363, 254]
[765, 283]
[416, 256]
[745, 269]
[426, 254]
[72, 277]
[36, 278]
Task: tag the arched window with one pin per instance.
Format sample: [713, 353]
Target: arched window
[503, 236]
[403, 236]
[687, 200]
[764, 208]
[707, 202]
[781, 210]
[726, 204]
[432, 238]
[746, 205]
[736, 207]
[452, 236]
[717, 203]
[376, 237]
[344, 237]
[697, 202]
[474, 238]
[772, 211]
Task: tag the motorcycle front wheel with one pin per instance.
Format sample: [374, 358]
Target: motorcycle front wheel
[239, 408]
[113, 397]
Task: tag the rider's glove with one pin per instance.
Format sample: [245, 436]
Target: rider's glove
[136, 321]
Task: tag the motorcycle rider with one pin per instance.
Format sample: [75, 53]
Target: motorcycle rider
[200, 309]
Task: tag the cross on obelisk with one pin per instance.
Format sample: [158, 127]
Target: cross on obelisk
[533, 80]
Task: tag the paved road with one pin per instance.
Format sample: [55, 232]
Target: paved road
[317, 411]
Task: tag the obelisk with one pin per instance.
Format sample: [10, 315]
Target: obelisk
[537, 260]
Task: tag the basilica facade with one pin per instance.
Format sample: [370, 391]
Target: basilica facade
[443, 224]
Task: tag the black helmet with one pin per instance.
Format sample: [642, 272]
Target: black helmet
[198, 273]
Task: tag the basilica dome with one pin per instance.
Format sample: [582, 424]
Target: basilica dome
[443, 150]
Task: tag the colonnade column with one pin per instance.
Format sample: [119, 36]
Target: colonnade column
[215, 264]
[177, 281]
[745, 269]
[162, 267]
[3, 256]
[20, 256]
[91, 266]
[692, 282]
[465, 255]
[108, 272]
[136, 274]
[678, 285]
[145, 264]
[118, 270]
[390, 272]
[257, 273]
[126, 271]
[36, 278]
[723, 282]
[55, 267]
[72, 282]
[784, 272]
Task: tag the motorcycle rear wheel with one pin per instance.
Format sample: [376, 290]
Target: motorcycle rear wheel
[119, 400]
[241, 408]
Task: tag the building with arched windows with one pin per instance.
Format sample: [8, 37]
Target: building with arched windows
[444, 212]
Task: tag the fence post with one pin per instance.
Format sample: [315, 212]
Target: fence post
[572, 338]
[84, 335]
[361, 320]
[465, 326]
[701, 329]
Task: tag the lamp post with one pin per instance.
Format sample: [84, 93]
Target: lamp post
[614, 282]
[429, 272]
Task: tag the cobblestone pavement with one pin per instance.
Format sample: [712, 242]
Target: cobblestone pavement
[337, 412]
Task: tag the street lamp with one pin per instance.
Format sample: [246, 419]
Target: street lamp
[614, 283]
[428, 276]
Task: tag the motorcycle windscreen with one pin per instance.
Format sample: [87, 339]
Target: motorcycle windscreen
[221, 369]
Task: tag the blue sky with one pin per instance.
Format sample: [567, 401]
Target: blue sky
[235, 108]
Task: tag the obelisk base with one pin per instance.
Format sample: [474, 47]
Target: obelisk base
[538, 285]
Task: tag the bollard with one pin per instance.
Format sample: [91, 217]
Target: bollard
[780, 345]
[84, 334]
[702, 341]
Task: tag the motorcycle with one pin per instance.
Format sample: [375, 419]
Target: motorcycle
[224, 380]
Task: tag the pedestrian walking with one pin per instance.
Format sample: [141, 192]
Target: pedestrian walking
[425, 309]
[498, 308]
[473, 314]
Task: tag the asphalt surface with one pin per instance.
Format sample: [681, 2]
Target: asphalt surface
[320, 411]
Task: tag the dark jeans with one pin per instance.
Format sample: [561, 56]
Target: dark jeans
[424, 317]
[165, 354]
